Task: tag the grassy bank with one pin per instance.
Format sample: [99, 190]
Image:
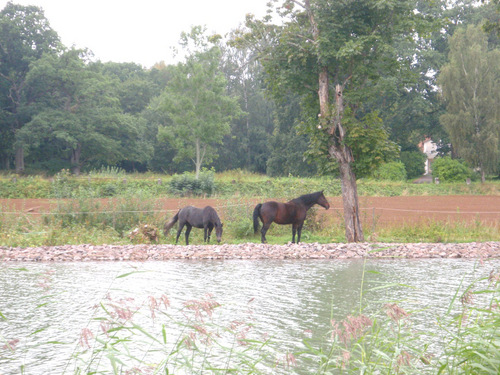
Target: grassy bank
[90, 221]
[83, 219]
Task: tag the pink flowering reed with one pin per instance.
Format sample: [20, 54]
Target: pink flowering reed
[202, 307]
[494, 277]
[123, 313]
[403, 359]
[123, 309]
[290, 360]
[85, 335]
[166, 302]
[395, 312]
[235, 324]
[155, 305]
[45, 280]
[345, 358]
[11, 345]
[137, 370]
[353, 328]
[467, 298]
[241, 336]
[202, 334]
[105, 327]
[189, 340]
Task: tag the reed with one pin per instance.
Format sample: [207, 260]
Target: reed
[130, 334]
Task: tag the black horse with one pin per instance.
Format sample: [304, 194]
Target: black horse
[293, 212]
[190, 217]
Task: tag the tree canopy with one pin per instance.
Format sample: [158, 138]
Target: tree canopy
[252, 98]
[338, 57]
[198, 109]
[77, 110]
[25, 35]
[470, 86]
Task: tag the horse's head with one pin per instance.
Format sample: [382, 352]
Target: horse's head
[322, 201]
[218, 232]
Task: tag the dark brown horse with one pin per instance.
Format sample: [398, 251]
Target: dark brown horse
[293, 212]
[190, 217]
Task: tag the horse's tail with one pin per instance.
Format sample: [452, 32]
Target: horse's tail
[170, 224]
[256, 214]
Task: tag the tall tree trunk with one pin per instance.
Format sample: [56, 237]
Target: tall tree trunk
[6, 162]
[343, 154]
[337, 150]
[20, 159]
[200, 155]
[197, 163]
[75, 159]
[353, 229]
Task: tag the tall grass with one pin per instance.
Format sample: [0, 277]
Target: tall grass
[151, 334]
[385, 342]
[121, 214]
[150, 338]
[437, 231]
[472, 343]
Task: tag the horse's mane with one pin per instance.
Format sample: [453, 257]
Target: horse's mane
[213, 216]
[308, 199]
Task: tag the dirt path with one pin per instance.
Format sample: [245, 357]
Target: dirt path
[384, 210]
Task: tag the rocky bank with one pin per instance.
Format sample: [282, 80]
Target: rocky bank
[87, 253]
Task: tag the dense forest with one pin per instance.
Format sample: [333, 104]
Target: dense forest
[241, 101]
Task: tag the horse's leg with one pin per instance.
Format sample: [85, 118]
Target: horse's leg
[294, 230]
[209, 233]
[188, 230]
[205, 233]
[181, 226]
[263, 231]
[299, 231]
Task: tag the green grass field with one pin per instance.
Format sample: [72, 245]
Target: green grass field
[82, 219]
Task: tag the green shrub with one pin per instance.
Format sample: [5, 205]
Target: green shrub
[237, 220]
[188, 184]
[109, 190]
[62, 186]
[393, 171]
[414, 162]
[450, 170]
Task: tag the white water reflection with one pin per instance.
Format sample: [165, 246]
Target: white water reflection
[46, 305]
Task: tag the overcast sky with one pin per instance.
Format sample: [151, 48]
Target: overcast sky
[141, 31]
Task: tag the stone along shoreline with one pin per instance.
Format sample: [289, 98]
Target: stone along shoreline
[86, 253]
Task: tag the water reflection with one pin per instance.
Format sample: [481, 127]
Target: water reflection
[47, 305]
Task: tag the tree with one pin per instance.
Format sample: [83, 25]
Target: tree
[469, 84]
[196, 103]
[493, 24]
[247, 144]
[25, 35]
[287, 145]
[76, 114]
[333, 54]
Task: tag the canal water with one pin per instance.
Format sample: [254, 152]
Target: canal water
[60, 317]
